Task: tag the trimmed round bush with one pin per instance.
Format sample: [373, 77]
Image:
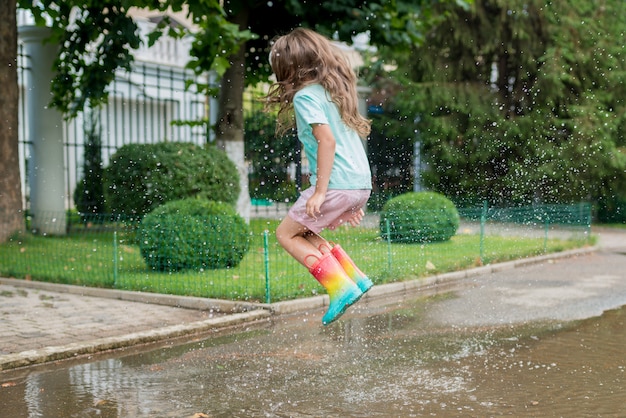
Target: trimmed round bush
[193, 234]
[419, 217]
[141, 177]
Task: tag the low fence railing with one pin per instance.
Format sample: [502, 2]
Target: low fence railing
[104, 252]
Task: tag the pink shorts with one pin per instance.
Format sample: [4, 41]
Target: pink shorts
[339, 206]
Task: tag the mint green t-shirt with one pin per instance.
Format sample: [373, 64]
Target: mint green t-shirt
[351, 170]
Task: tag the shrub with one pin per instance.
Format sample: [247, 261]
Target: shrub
[612, 210]
[419, 217]
[270, 158]
[89, 194]
[277, 191]
[193, 234]
[391, 155]
[141, 177]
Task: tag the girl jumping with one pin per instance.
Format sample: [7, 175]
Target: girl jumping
[315, 91]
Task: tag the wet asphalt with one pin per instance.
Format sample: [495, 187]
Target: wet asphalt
[42, 322]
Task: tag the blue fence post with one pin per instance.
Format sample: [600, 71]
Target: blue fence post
[588, 219]
[115, 258]
[545, 235]
[389, 263]
[266, 253]
[483, 220]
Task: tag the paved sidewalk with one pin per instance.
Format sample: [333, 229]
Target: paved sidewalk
[43, 322]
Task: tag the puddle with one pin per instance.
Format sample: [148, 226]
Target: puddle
[390, 363]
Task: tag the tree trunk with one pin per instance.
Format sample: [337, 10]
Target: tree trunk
[229, 130]
[11, 215]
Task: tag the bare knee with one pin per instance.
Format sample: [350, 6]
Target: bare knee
[281, 235]
[286, 231]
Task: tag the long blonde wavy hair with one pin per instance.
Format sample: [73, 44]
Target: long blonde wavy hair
[303, 57]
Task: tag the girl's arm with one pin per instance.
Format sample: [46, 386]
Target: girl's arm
[325, 160]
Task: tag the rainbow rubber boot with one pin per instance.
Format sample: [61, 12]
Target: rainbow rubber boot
[351, 269]
[342, 291]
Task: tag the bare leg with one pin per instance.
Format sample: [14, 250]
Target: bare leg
[299, 241]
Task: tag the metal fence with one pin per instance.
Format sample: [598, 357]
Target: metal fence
[105, 253]
[145, 106]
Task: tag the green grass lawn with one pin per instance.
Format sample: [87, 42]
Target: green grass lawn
[91, 258]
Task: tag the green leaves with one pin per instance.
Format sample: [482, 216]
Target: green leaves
[398, 25]
[522, 102]
[97, 37]
[211, 48]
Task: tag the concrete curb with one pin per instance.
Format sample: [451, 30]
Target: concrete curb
[237, 313]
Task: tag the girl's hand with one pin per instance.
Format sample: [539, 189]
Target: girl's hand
[314, 204]
[356, 217]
